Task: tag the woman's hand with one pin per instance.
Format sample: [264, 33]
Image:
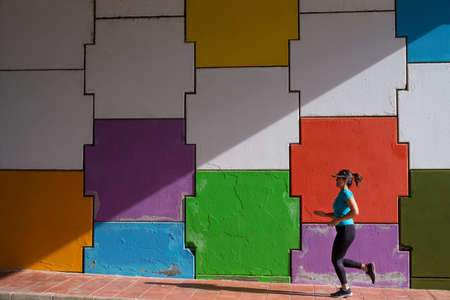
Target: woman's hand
[334, 222]
[320, 213]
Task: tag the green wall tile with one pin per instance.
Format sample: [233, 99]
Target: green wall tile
[242, 223]
[425, 221]
[275, 279]
[430, 283]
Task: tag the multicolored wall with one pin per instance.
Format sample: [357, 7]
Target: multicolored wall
[195, 138]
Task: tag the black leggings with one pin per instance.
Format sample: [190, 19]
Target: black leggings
[344, 238]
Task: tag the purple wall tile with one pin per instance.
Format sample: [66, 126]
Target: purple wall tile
[376, 243]
[139, 170]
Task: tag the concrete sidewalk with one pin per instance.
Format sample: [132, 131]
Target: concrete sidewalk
[57, 285]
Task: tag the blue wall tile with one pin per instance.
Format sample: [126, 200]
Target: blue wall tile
[154, 249]
[427, 26]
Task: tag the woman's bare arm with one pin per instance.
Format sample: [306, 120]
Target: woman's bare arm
[324, 214]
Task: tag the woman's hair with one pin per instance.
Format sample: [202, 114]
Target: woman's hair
[358, 178]
[350, 176]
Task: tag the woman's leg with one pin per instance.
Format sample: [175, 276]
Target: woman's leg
[344, 238]
[348, 263]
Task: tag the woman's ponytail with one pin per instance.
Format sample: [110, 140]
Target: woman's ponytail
[358, 178]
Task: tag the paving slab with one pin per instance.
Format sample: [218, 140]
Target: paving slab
[24, 284]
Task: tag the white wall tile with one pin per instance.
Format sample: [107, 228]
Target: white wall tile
[139, 8]
[140, 68]
[44, 34]
[44, 120]
[242, 118]
[424, 112]
[348, 64]
[345, 5]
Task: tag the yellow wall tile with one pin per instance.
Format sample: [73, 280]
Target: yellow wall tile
[232, 33]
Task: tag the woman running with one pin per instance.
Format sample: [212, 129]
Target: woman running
[345, 208]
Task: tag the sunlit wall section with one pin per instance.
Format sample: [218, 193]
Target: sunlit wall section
[366, 146]
[360, 145]
[242, 225]
[348, 64]
[429, 258]
[427, 27]
[424, 123]
[377, 243]
[423, 115]
[423, 111]
[242, 118]
[242, 121]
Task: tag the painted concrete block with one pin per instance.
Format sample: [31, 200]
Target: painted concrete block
[139, 170]
[367, 146]
[345, 5]
[430, 283]
[139, 249]
[47, 218]
[44, 120]
[348, 64]
[423, 115]
[424, 224]
[44, 34]
[140, 68]
[241, 33]
[373, 243]
[429, 39]
[139, 8]
[242, 224]
[242, 118]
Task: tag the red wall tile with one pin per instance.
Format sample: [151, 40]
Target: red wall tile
[364, 145]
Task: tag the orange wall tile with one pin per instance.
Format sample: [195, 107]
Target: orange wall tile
[46, 220]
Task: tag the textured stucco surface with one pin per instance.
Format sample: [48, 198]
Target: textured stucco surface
[140, 68]
[224, 39]
[139, 249]
[343, 70]
[364, 145]
[44, 34]
[44, 120]
[377, 243]
[48, 220]
[424, 111]
[242, 118]
[424, 224]
[139, 170]
[242, 223]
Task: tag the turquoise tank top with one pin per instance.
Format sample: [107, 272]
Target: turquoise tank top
[341, 208]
